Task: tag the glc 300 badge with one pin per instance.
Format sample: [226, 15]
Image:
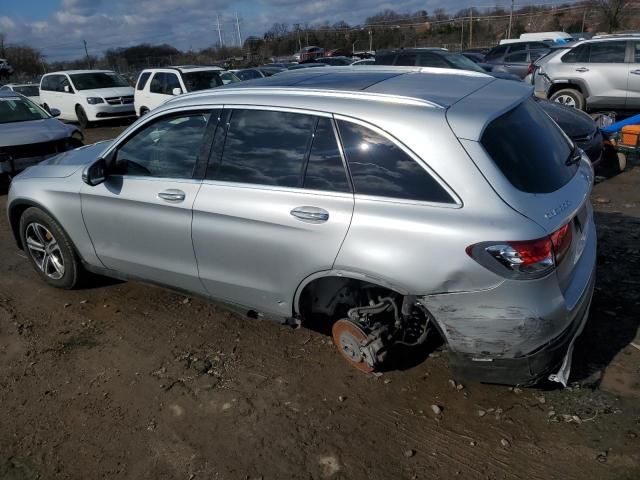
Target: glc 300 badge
[558, 210]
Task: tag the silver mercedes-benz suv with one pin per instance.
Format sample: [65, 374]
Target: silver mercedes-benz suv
[387, 204]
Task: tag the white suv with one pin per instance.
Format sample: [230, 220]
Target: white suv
[156, 85]
[603, 73]
[87, 96]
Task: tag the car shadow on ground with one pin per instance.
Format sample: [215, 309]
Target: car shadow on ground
[614, 320]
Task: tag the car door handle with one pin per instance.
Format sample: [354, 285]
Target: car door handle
[635, 72]
[172, 195]
[310, 214]
[582, 69]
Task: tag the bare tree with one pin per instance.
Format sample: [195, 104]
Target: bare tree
[612, 11]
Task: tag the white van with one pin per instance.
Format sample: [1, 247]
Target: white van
[156, 85]
[87, 96]
[555, 37]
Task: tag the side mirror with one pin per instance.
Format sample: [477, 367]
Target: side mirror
[67, 89]
[54, 112]
[96, 173]
[177, 91]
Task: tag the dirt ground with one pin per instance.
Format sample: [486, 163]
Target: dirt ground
[125, 380]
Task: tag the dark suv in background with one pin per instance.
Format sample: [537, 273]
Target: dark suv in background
[426, 57]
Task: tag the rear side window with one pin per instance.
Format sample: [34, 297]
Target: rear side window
[266, 147]
[529, 149]
[520, 57]
[406, 60]
[381, 168]
[432, 60]
[497, 51]
[325, 170]
[142, 81]
[607, 52]
[385, 59]
[517, 47]
[579, 54]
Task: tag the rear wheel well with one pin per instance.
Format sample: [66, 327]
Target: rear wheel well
[556, 87]
[331, 297]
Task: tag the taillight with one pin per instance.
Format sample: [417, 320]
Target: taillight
[531, 69]
[524, 259]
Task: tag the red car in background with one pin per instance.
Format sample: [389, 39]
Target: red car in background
[309, 53]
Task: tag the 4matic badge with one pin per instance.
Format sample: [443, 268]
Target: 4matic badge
[558, 210]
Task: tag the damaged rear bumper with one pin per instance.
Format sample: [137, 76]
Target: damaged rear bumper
[553, 360]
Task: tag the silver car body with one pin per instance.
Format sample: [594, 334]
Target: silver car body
[31, 142]
[239, 243]
[606, 85]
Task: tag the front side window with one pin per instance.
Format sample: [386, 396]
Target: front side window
[265, 147]
[636, 52]
[607, 52]
[381, 168]
[94, 80]
[385, 59]
[64, 86]
[168, 148]
[142, 81]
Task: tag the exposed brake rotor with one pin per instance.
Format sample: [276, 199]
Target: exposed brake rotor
[349, 338]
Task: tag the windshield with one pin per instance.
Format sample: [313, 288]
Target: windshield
[16, 109]
[28, 90]
[463, 63]
[194, 81]
[95, 80]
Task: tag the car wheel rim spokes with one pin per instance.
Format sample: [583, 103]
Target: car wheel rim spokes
[566, 100]
[45, 251]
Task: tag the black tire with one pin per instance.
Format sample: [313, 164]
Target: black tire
[143, 111]
[34, 220]
[569, 97]
[82, 117]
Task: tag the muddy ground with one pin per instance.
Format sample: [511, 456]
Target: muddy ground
[125, 380]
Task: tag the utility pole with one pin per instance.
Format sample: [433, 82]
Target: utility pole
[238, 27]
[470, 27]
[584, 19]
[370, 41]
[219, 31]
[510, 19]
[462, 33]
[86, 51]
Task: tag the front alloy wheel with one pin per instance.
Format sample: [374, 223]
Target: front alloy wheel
[45, 250]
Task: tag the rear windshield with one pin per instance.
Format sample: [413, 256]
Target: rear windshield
[28, 90]
[530, 149]
[202, 80]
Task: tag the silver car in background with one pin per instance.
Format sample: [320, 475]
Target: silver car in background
[385, 203]
[29, 134]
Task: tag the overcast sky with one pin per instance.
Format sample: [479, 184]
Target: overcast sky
[57, 27]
